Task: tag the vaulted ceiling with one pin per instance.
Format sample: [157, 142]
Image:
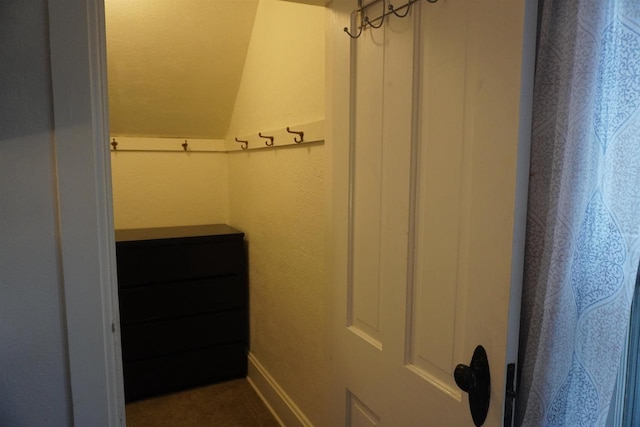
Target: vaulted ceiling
[174, 67]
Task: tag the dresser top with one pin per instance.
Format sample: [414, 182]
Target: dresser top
[185, 231]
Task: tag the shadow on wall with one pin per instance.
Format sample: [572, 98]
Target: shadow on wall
[24, 73]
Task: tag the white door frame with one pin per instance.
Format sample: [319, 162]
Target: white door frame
[337, 65]
[86, 241]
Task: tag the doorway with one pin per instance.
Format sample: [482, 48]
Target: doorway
[275, 195]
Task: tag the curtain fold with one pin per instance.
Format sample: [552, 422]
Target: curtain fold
[583, 222]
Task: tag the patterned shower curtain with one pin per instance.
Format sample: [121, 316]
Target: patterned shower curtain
[583, 225]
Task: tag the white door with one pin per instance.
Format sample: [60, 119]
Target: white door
[430, 122]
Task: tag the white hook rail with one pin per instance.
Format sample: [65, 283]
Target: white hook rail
[312, 132]
[195, 145]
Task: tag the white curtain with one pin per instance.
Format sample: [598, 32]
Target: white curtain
[583, 223]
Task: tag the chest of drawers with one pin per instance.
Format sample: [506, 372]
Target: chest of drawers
[183, 297]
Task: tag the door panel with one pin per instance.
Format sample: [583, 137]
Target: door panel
[359, 414]
[428, 259]
[368, 199]
[379, 176]
[441, 216]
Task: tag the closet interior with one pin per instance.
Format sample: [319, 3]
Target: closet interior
[218, 170]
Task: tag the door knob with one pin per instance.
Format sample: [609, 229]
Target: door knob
[476, 381]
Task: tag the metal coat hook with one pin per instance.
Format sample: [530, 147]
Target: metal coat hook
[395, 11]
[365, 21]
[244, 145]
[370, 23]
[268, 143]
[301, 134]
[346, 30]
[114, 144]
[185, 145]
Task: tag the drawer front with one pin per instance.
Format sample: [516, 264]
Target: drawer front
[177, 372]
[171, 336]
[167, 300]
[166, 262]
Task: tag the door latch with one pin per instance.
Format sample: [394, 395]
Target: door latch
[510, 395]
[476, 381]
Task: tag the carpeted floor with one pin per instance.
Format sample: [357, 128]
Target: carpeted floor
[228, 404]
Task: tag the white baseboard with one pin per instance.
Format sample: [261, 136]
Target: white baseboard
[279, 403]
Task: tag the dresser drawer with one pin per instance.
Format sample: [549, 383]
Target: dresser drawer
[172, 336]
[175, 299]
[164, 261]
[176, 372]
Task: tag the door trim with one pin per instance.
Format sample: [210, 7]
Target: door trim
[85, 227]
[522, 185]
[337, 66]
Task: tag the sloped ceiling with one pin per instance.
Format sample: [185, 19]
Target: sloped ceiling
[174, 67]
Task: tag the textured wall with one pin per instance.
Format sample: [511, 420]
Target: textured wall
[277, 197]
[283, 78]
[34, 386]
[175, 66]
[157, 189]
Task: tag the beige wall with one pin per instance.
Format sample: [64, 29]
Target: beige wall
[159, 189]
[277, 198]
[283, 78]
[175, 66]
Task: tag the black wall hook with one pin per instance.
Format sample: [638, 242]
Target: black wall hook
[268, 143]
[301, 134]
[244, 145]
[114, 144]
[185, 145]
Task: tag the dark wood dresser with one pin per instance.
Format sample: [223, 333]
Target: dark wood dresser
[183, 296]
